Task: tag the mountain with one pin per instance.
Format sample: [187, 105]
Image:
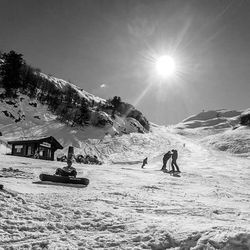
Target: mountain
[31, 98]
[212, 119]
[42, 105]
[24, 117]
[219, 129]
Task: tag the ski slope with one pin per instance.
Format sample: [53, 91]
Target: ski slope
[126, 207]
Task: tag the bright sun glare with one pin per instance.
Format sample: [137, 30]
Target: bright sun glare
[165, 66]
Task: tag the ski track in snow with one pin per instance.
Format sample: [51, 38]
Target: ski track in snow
[126, 207]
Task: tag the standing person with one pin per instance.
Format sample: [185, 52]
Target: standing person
[173, 163]
[36, 155]
[165, 159]
[144, 162]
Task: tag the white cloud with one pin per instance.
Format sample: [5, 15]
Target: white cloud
[103, 85]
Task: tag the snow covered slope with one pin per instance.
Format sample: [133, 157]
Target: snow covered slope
[24, 118]
[60, 83]
[234, 141]
[219, 129]
[214, 119]
[126, 207]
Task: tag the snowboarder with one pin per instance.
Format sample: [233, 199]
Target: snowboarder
[144, 162]
[173, 163]
[165, 159]
[67, 170]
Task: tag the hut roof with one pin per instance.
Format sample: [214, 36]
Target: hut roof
[49, 139]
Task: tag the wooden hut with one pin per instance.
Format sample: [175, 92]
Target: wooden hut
[40, 148]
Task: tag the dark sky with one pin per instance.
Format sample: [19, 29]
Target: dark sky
[112, 42]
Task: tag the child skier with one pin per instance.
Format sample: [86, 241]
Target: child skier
[144, 162]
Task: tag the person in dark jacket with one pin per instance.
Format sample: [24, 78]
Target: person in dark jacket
[67, 170]
[144, 162]
[173, 163]
[165, 159]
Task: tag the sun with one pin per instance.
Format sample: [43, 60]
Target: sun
[165, 66]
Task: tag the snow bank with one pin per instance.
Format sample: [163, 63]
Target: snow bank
[235, 141]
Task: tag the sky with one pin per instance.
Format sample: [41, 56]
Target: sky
[109, 48]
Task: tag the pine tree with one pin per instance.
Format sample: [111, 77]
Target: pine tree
[11, 72]
[116, 102]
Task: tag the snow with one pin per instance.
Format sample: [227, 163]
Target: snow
[219, 129]
[234, 141]
[126, 207]
[207, 115]
[62, 84]
[212, 119]
[21, 119]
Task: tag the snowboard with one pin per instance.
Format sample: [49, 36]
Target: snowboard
[174, 174]
[59, 184]
[63, 179]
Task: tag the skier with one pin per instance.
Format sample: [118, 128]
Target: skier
[173, 163]
[144, 162]
[67, 170]
[165, 159]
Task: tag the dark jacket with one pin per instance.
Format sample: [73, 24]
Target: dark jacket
[167, 156]
[174, 154]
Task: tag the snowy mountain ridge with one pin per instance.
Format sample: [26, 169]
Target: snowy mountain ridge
[219, 129]
[215, 119]
[60, 83]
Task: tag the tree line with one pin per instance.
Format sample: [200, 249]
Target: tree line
[17, 76]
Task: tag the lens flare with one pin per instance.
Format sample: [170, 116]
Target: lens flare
[165, 66]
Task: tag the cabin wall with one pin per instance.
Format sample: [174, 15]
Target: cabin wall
[36, 150]
[39, 149]
[18, 149]
[45, 153]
